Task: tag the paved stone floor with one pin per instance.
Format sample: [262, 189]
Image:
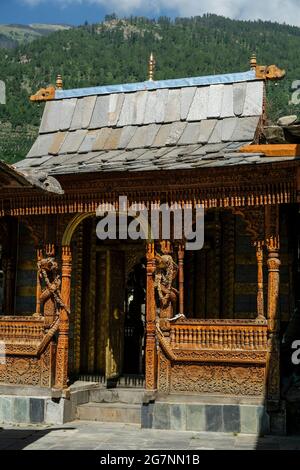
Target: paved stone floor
[113, 436]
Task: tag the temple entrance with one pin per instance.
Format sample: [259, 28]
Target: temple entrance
[108, 343]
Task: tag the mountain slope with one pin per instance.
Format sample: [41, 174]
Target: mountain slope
[117, 51]
[14, 34]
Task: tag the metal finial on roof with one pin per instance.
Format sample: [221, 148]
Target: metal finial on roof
[59, 82]
[151, 70]
[253, 62]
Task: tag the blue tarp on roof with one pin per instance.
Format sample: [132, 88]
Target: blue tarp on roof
[174, 83]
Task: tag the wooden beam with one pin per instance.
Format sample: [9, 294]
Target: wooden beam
[273, 150]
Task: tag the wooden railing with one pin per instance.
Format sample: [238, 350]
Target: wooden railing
[214, 334]
[25, 329]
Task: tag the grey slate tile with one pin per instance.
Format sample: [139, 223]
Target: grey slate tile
[73, 141]
[198, 109]
[177, 129]
[50, 119]
[150, 111]
[172, 112]
[206, 129]
[162, 135]
[113, 139]
[88, 142]
[83, 112]
[101, 138]
[227, 102]
[114, 108]
[215, 97]
[100, 113]
[57, 142]
[190, 134]
[66, 113]
[186, 97]
[161, 103]
[32, 162]
[126, 136]
[239, 94]
[41, 146]
[128, 113]
[245, 129]
[228, 127]
[143, 136]
[141, 101]
[254, 99]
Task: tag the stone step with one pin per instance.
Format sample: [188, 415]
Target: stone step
[115, 395]
[110, 412]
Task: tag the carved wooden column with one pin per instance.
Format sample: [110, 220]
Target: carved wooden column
[181, 277]
[61, 374]
[273, 263]
[151, 353]
[260, 280]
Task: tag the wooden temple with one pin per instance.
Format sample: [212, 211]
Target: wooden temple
[74, 307]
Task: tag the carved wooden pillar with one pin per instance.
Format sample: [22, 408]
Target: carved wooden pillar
[181, 277]
[61, 374]
[151, 353]
[273, 263]
[260, 280]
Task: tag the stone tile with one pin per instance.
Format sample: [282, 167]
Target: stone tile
[114, 108]
[178, 417]
[161, 103]
[231, 418]
[73, 141]
[245, 129]
[128, 113]
[57, 142]
[113, 139]
[206, 129]
[126, 136]
[177, 129]
[190, 134]
[6, 409]
[227, 102]
[249, 419]
[254, 99]
[195, 417]
[216, 135]
[161, 416]
[172, 112]
[100, 113]
[101, 138]
[199, 105]
[228, 127]
[141, 101]
[41, 146]
[151, 113]
[239, 94]
[162, 135]
[66, 113]
[186, 98]
[215, 98]
[214, 419]
[21, 410]
[54, 412]
[83, 112]
[50, 119]
[147, 415]
[143, 136]
[88, 142]
[37, 410]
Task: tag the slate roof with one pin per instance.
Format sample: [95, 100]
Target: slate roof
[169, 125]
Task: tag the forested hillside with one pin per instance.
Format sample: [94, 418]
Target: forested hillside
[117, 51]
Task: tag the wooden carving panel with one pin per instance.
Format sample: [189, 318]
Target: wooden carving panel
[225, 379]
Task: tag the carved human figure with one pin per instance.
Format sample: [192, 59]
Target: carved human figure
[164, 274]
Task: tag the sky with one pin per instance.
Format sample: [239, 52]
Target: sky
[93, 11]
